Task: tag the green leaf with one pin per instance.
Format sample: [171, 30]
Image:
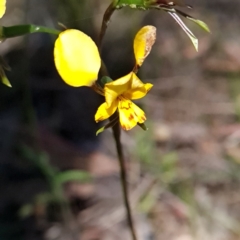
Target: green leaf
[144, 4]
[72, 175]
[200, 23]
[20, 30]
[100, 130]
[5, 81]
[142, 126]
[110, 124]
[185, 29]
[104, 80]
[3, 77]
[130, 3]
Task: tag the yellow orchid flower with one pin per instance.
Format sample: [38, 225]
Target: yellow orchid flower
[118, 94]
[2, 7]
[76, 58]
[78, 61]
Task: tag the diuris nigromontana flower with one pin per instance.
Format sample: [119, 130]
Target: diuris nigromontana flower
[118, 93]
[78, 62]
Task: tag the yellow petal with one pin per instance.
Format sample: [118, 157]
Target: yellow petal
[143, 42]
[105, 112]
[76, 58]
[2, 7]
[130, 114]
[138, 89]
[116, 88]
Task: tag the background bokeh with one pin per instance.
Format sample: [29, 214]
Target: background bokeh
[183, 172]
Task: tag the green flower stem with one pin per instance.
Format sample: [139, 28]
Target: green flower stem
[20, 30]
[117, 137]
[106, 18]
[133, 3]
[116, 127]
[123, 175]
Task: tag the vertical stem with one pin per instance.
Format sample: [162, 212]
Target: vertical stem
[116, 128]
[106, 18]
[123, 174]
